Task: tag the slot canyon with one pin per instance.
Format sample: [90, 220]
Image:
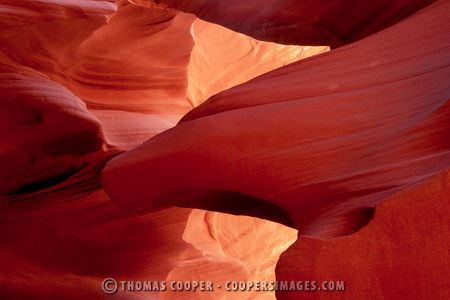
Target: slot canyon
[224, 142]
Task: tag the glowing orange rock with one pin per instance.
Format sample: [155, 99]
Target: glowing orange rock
[222, 58]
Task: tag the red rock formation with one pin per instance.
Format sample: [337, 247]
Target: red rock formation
[315, 145]
[402, 253]
[124, 66]
[336, 135]
[303, 22]
[32, 153]
[339, 134]
[52, 147]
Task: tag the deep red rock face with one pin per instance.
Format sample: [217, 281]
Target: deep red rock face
[333, 22]
[223, 141]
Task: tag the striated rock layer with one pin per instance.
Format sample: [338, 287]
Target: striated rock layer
[326, 139]
[134, 78]
[79, 80]
[336, 134]
[349, 149]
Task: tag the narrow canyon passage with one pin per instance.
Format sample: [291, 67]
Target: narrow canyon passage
[224, 141]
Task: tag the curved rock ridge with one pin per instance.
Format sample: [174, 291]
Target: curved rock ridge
[325, 139]
[164, 78]
[120, 62]
[77, 78]
[22, 12]
[349, 147]
[108, 60]
[32, 153]
[301, 22]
